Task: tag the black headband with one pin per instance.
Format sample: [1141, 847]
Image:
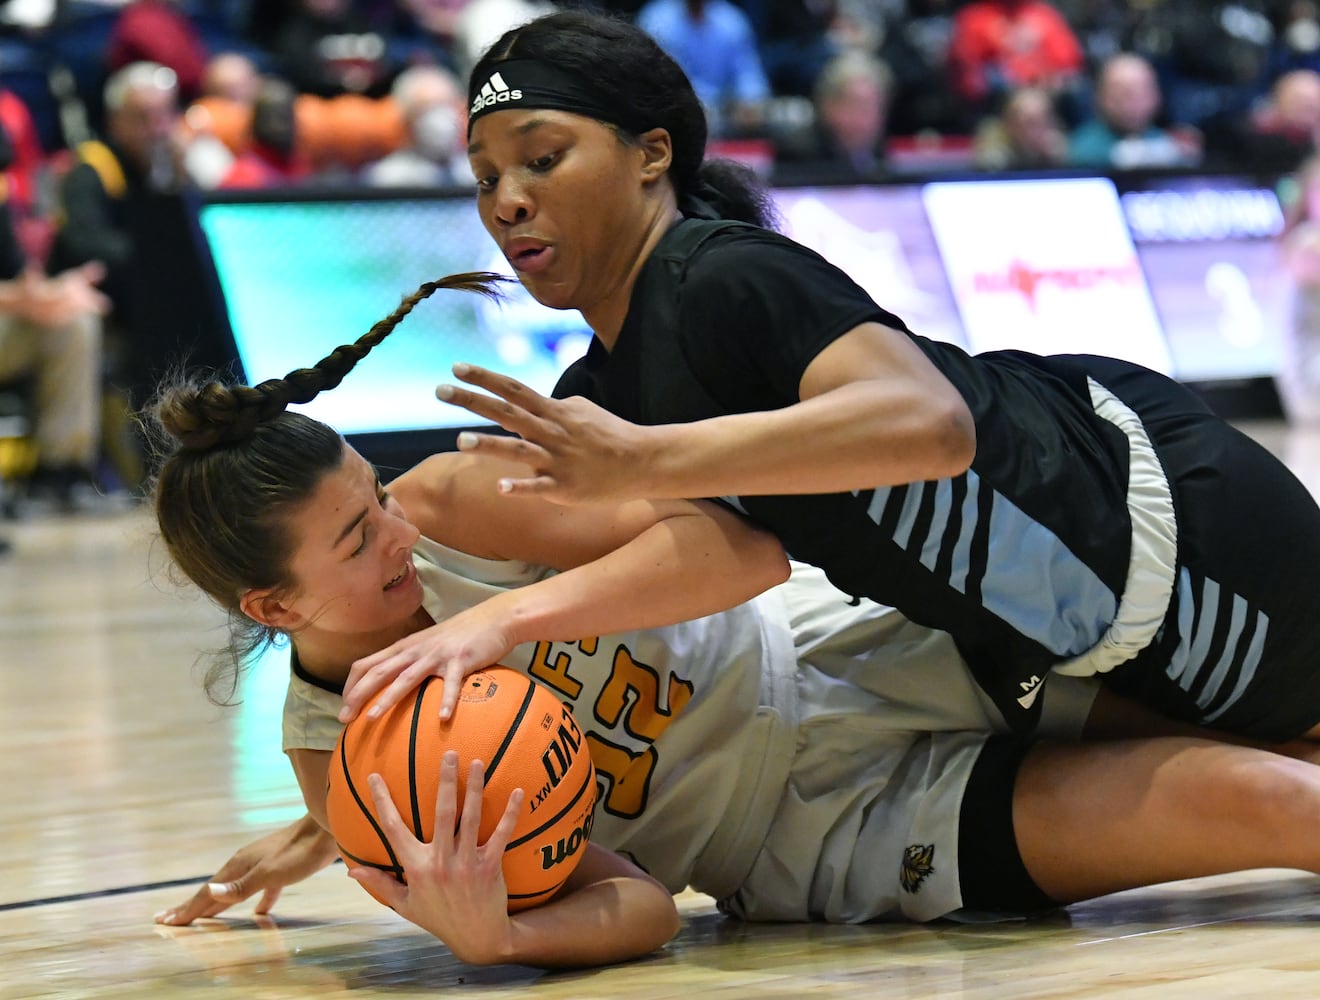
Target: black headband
[531, 83]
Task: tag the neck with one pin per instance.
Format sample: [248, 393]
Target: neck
[329, 656]
[607, 315]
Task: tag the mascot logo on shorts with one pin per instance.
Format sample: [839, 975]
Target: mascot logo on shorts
[918, 863]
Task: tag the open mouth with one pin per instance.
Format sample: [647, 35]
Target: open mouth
[399, 577]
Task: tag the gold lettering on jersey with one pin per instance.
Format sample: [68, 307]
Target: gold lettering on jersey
[554, 670]
[626, 775]
[631, 698]
[642, 714]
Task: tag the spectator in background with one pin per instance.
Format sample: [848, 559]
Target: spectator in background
[159, 31]
[1277, 135]
[23, 173]
[431, 100]
[999, 45]
[50, 331]
[713, 42]
[1025, 135]
[325, 47]
[427, 32]
[233, 77]
[795, 42]
[847, 141]
[1123, 134]
[1298, 377]
[141, 153]
[100, 201]
[915, 46]
[273, 158]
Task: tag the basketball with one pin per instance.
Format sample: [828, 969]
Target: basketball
[525, 737]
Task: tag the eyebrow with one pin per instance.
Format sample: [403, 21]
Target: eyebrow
[521, 130]
[348, 529]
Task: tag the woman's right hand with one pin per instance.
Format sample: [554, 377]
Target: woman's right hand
[452, 650]
[266, 866]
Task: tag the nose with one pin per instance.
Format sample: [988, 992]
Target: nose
[512, 203]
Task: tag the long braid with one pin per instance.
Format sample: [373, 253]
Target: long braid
[218, 414]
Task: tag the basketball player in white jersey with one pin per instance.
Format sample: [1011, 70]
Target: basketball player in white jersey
[799, 757]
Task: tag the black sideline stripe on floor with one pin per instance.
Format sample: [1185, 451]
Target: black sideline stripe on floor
[123, 890]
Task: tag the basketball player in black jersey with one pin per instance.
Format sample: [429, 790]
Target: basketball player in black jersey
[1065, 514]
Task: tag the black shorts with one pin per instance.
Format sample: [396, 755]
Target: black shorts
[1239, 650]
[991, 874]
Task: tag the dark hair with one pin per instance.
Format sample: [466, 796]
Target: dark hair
[623, 60]
[240, 462]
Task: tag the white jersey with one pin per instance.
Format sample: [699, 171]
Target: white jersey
[710, 739]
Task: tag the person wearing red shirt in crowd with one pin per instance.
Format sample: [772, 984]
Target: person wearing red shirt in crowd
[1000, 45]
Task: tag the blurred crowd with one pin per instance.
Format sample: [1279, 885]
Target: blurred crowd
[106, 104]
[236, 93]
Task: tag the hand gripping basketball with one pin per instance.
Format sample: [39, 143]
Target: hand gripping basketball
[526, 739]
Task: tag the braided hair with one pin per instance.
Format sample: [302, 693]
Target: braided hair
[241, 461]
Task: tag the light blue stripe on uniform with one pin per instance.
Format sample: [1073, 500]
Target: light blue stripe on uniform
[1205, 634]
[908, 517]
[876, 509]
[1064, 606]
[939, 523]
[962, 549]
[1249, 664]
[1179, 662]
[1217, 676]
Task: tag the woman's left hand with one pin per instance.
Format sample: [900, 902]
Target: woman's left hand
[455, 885]
[577, 452]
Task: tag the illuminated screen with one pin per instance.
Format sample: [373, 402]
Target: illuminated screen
[301, 277]
[1046, 266]
[881, 237]
[1178, 273]
[1208, 246]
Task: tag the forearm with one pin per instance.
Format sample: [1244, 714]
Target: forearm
[609, 921]
[859, 436]
[680, 568]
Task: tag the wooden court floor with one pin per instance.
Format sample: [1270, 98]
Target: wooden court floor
[122, 788]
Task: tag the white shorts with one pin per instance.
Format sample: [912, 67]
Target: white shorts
[890, 726]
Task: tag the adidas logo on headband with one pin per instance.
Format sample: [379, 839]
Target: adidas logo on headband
[494, 91]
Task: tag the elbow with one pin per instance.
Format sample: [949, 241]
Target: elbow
[664, 925]
[952, 438]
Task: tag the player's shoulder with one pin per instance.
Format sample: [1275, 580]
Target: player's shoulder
[721, 253]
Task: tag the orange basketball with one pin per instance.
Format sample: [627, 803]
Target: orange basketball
[520, 731]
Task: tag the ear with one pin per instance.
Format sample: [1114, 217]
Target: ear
[265, 608]
[657, 153]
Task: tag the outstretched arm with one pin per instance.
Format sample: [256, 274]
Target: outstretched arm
[873, 411]
[274, 861]
[264, 866]
[632, 565]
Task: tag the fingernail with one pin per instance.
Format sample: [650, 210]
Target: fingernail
[163, 917]
[444, 392]
[505, 485]
[467, 439]
[217, 888]
[374, 712]
[461, 369]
